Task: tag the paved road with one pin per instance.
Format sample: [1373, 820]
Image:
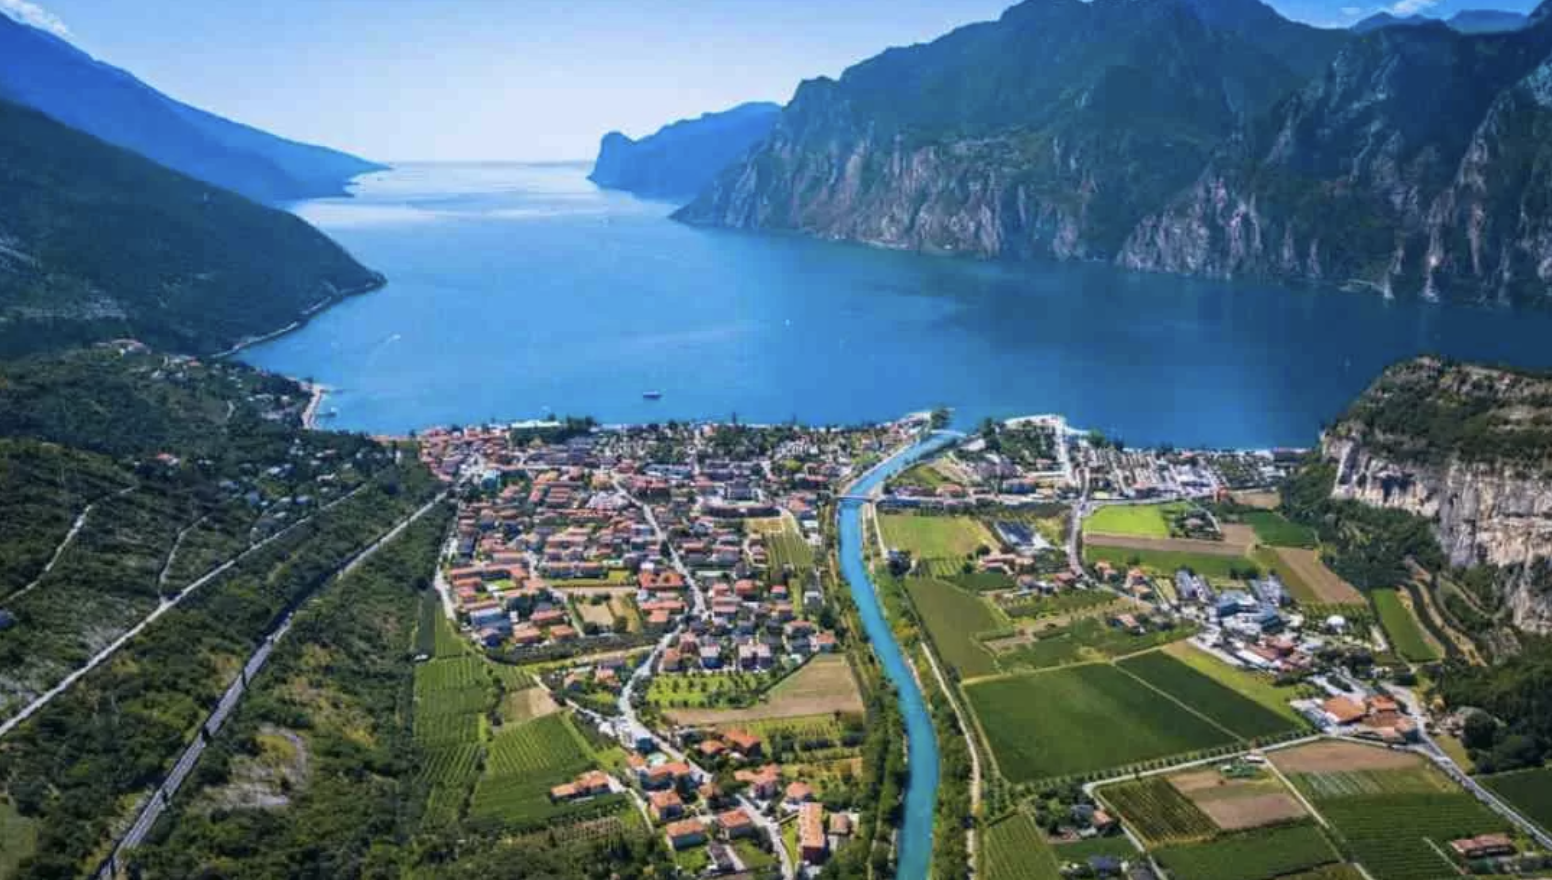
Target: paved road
[157, 805]
[167, 604]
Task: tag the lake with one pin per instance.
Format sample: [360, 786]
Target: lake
[517, 291]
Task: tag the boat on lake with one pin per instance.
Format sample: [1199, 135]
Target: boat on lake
[652, 395]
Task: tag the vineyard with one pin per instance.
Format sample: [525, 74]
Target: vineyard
[1014, 849]
[448, 774]
[523, 763]
[1227, 708]
[1528, 790]
[1251, 855]
[1157, 812]
[1395, 836]
[1354, 783]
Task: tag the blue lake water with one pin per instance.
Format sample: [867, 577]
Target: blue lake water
[520, 290]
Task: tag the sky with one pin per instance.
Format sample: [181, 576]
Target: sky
[528, 80]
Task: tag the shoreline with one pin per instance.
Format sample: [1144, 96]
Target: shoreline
[318, 392]
[379, 282]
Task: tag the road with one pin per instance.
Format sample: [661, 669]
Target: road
[167, 604]
[75, 529]
[153, 808]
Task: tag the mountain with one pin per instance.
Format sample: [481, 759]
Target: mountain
[1384, 19]
[1469, 448]
[1485, 21]
[1047, 133]
[98, 242]
[681, 158]
[1347, 182]
[42, 71]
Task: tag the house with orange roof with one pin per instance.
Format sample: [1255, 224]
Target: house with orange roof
[735, 823]
[685, 833]
[812, 842]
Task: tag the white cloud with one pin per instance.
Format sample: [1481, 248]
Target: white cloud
[31, 13]
[1351, 11]
[1411, 7]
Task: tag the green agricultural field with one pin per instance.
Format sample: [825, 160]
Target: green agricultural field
[1062, 603]
[1157, 812]
[523, 763]
[1400, 836]
[1139, 520]
[953, 617]
[1253, 685]
[935, 537]
[1251, 855]
[448, 773]
[1083, 641]
[1406, 635]
[1080, 850]
[1081, 719]
[1528, 790]
[1014, 849]
[1167, 562]
[1238, 714]
[1273, 528]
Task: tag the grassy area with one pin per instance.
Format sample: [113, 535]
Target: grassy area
[1082, 641]
[935, 537]
[1405, 634]
[1273, 528]
[1107, 719]
[726, 689]
[1253, 685]
[1167, 562]
[953, 617]
[1530, 791]
[18, 838]
[1229, 709]
[1014, 849]
[1080, 850]
[1251, 855]
[1140, 520]
[1157, 812]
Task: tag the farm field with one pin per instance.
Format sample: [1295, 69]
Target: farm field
[521, 706]
[1167, 562]
[1184, 546]
[1251, 855]
[1238, 803]
[1157, 812]
[1530, 791]
[1249, 684]
[1306, 568]
[523, 763]
[953, 617]
[1406, 634]
[1274, 529]
[1235, 713]
[935, 537]
[1340, 756]
[1109, 719]
[1063, 603]
[448, 772]
[1140, 520]
[824, 686]
[1014, 849]
[710, 691]
[1083, 641]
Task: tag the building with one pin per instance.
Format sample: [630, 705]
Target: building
[685, 833]
[1484, 846]
[665, 805]
[812, 843]
[736, 823]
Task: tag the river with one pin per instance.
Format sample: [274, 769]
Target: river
[915, 853]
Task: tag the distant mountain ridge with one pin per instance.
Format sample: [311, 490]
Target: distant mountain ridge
[43, 71]
[681, 158]
[1467, 21]
[1207, 137]
[97, 242]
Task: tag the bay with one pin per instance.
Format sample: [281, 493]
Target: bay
[518, 291]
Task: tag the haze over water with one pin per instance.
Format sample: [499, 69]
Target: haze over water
[517, 291]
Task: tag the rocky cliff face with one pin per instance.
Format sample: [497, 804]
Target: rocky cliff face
[1466, 448]
[1045, 134]
[1349, 182]
[681, 158]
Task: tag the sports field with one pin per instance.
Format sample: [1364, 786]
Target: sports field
[1079, 719]
[935, 537]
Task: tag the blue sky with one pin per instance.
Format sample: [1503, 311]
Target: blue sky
[511, 79]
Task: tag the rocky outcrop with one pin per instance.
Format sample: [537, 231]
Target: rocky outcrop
[1486, 488]
[1046, 134]
[681, 158]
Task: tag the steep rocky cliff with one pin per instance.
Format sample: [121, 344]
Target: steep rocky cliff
[1047, 133]
[1416, 164]
[682, 157]
[1470, 449]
